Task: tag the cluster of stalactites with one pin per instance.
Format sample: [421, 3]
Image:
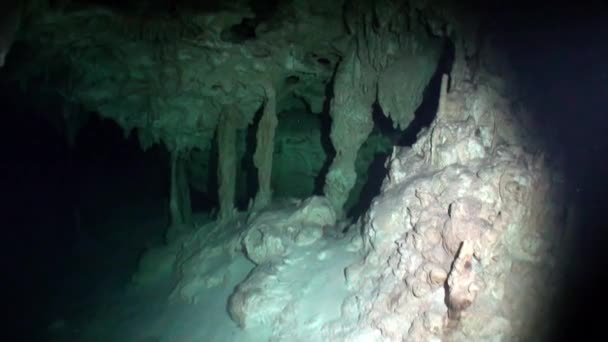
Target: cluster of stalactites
[390, 60]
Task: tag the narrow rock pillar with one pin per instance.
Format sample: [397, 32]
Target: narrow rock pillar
[352, 123]
[262, 157]
[179, 202]
[226, 170]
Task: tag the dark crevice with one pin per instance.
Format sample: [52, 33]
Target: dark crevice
[202, 201]
[206, 201]
[424, 115]
[326, 143]
[383, 124]
[248, 170]
[264, 10]
[291, 80]
[323, 61]
[376, 171]
[241, 32]
[246, 29]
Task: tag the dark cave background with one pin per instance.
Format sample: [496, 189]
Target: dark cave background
[559, 57]
[67, 207]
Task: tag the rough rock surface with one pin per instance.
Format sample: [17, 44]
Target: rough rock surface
[458, 245]
[203, 259]
[296, 271]
[260, 298]
[270, 235]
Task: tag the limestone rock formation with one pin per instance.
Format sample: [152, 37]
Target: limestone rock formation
[168, 76]
[459, 232]
[252, 304]
[204, 259]
[179, 201]
[271, 235]
[262, 157]
[227, 165]
[387, 57]
[299, 153]
[459, 245]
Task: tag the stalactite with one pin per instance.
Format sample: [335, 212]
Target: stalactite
[226, 171]
[441, 114]
[173, 200]
[265, 148]
[179, 203]
[184, 191]
[352, 122]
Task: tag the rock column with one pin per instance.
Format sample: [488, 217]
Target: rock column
[265, 148]
[352, 122]
[226, 171]
[179, 202]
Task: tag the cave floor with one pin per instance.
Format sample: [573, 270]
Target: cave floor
[105, 308]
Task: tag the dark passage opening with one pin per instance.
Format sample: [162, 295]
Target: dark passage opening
[204, 201]
[78, 217]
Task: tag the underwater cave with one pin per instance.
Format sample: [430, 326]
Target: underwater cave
[303, 170]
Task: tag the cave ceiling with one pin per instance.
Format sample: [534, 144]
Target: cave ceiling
[167, 69]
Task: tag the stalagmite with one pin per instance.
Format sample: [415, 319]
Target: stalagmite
[352, 122]
[265, 147]
[226, 171]
[179, 203]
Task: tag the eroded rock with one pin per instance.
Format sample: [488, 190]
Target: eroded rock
[252, 303]
[270, 235]
[457, 212]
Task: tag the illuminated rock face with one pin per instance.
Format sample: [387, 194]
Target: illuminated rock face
[270, 236]
[459, 242]
[351, 125]
[456, 245]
